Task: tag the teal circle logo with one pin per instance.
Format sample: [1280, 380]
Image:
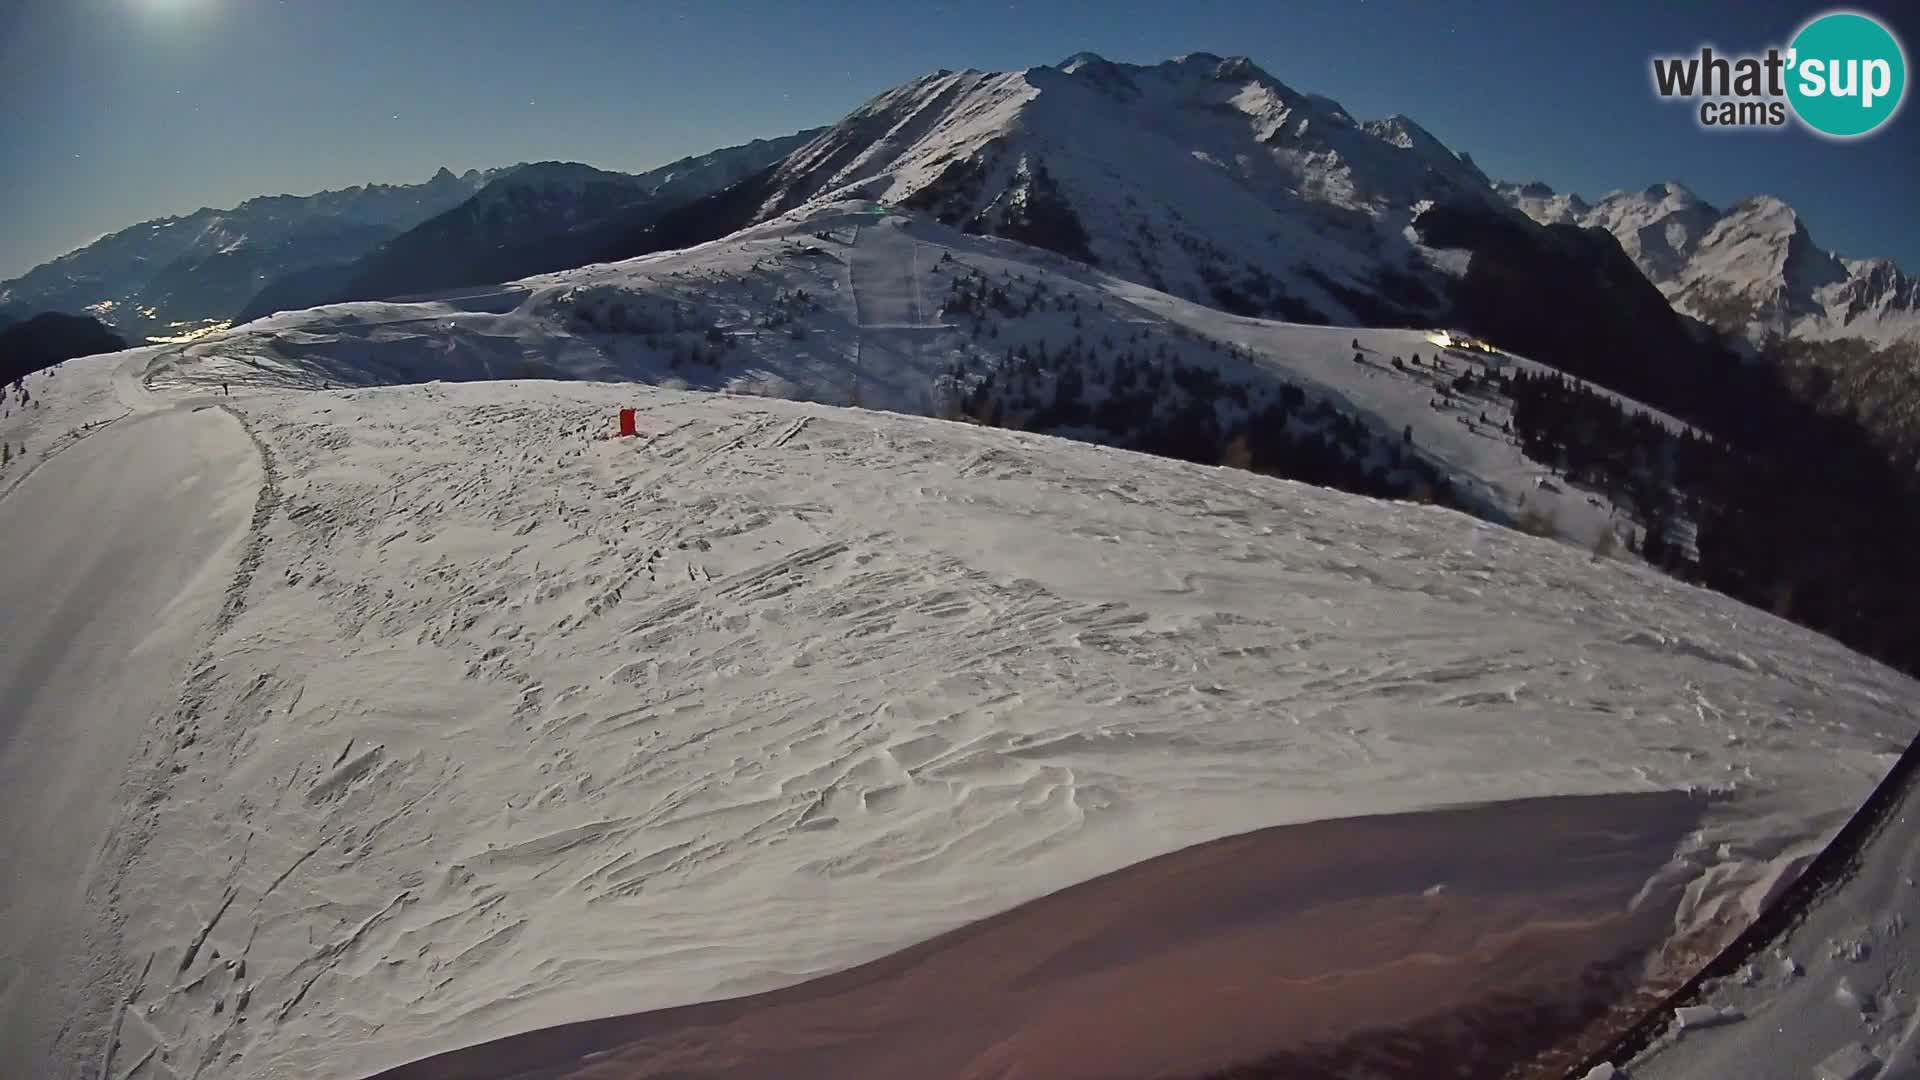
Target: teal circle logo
[1848, 74]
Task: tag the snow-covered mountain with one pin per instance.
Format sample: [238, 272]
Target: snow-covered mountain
[1752, 270]
[1544, 205]
[534, 219]
[1209, 179]
[205, 266]
[1204, 177]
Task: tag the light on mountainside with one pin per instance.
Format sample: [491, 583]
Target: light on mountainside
[186, 333]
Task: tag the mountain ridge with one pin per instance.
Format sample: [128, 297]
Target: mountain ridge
[201, 266]
[1752, 270]
[537, 218]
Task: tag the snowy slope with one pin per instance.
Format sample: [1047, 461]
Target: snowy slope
[141, 518]
[846, 302]
[1838, 997]
[1829, 992]
[206, 265]
[1463, 433]
[61, 409]
[518, 724]
[1751, 269]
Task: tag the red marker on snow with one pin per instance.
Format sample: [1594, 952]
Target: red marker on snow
[627, 427]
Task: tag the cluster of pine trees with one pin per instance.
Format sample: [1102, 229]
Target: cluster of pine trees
[1787, 510]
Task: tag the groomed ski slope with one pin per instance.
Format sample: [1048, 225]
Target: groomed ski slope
[521, 725]
[118, 553]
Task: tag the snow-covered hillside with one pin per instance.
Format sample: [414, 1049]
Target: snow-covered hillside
[1751, 269]
[205, 266]
[1834, 994]
[505, 722]
[854, 302]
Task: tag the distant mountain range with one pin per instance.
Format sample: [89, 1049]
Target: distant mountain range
[1210, 179]
[532, 219]
[1204, 176]
[177, 274]
[1751, 270]
[207, 265]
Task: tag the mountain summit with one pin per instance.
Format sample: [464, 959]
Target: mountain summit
[1204, 176]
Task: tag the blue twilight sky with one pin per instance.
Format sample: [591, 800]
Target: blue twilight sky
[113, 111]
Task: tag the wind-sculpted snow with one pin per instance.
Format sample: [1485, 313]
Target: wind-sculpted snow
[521, 724]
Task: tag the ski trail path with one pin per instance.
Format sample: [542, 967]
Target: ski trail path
[889, 310]
[118, 551]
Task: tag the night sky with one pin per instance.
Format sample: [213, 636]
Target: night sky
[114, 111]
